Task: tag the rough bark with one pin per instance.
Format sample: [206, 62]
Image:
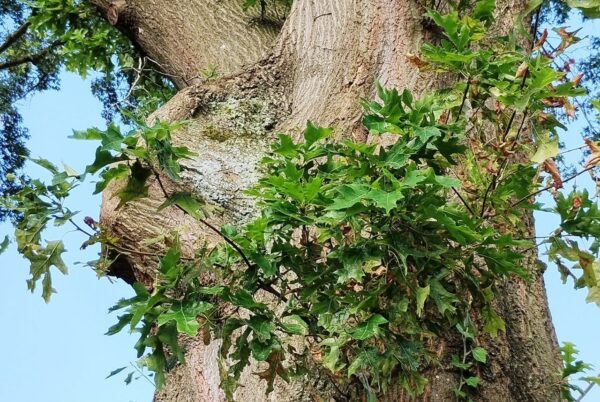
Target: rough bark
[186, 37]
[325, 59]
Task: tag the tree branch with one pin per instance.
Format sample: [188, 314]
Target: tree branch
[463, 201]
[12, 38]
[31, 58]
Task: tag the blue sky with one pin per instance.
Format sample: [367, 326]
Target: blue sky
[57, 352]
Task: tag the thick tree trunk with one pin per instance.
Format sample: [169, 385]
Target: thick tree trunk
[323, 61]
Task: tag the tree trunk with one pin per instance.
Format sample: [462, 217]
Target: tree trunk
[318, 66]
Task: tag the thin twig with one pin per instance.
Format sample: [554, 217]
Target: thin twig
[464, 99]
[79, 228]
[573, 149]
[514, 204]
[206, 223]
[586, 391]
[463, 200]
[141, 63]
[142, 374]
[125, 250]
[494, 181]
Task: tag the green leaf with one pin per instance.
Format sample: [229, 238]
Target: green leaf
[116, 173]
[261, 351]
[378, 125]
[473, 381]
[492, 322]
[547, 148]
[184, 314]
[248, 4]
[70, 171]
[103, 158]
[186, 201]
[368, 328]
[46, 164]
[456, 362]
[484, 11]
[136, 187]
[362, 360]
[265, 263]
[352, 269]
[589, 8]
[41, 261]
[294, 324]
[313, 134]
[384, 199]
[413, 178]
[421, 294]
[243, 298]
[169, 264]
[115, 372]
[349, 195]
[447, 182]
[444, 300]
[157, 363]
[169, 336]
[89, 134]
[331, 359]
[286, 146]
[479, 354]
[112, 139]
[425, 134]
[123, 321]
[213, 290]
[593, 295]
[51, 256]
[128, 379]
[262, 327]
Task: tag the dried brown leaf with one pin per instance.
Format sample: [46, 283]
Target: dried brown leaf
[521, 70]
[594, 158]
[550, 167]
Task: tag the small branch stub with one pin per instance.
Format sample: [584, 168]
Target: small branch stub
[114, 9]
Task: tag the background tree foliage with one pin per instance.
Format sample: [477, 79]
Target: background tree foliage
[41, 38]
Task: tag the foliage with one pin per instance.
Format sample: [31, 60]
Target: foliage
[365, 252]
[572, 367]
[42, 37]
[41, 204]
[161, 315]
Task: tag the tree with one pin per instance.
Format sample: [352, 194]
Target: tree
[323, 61]
[267, 76]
